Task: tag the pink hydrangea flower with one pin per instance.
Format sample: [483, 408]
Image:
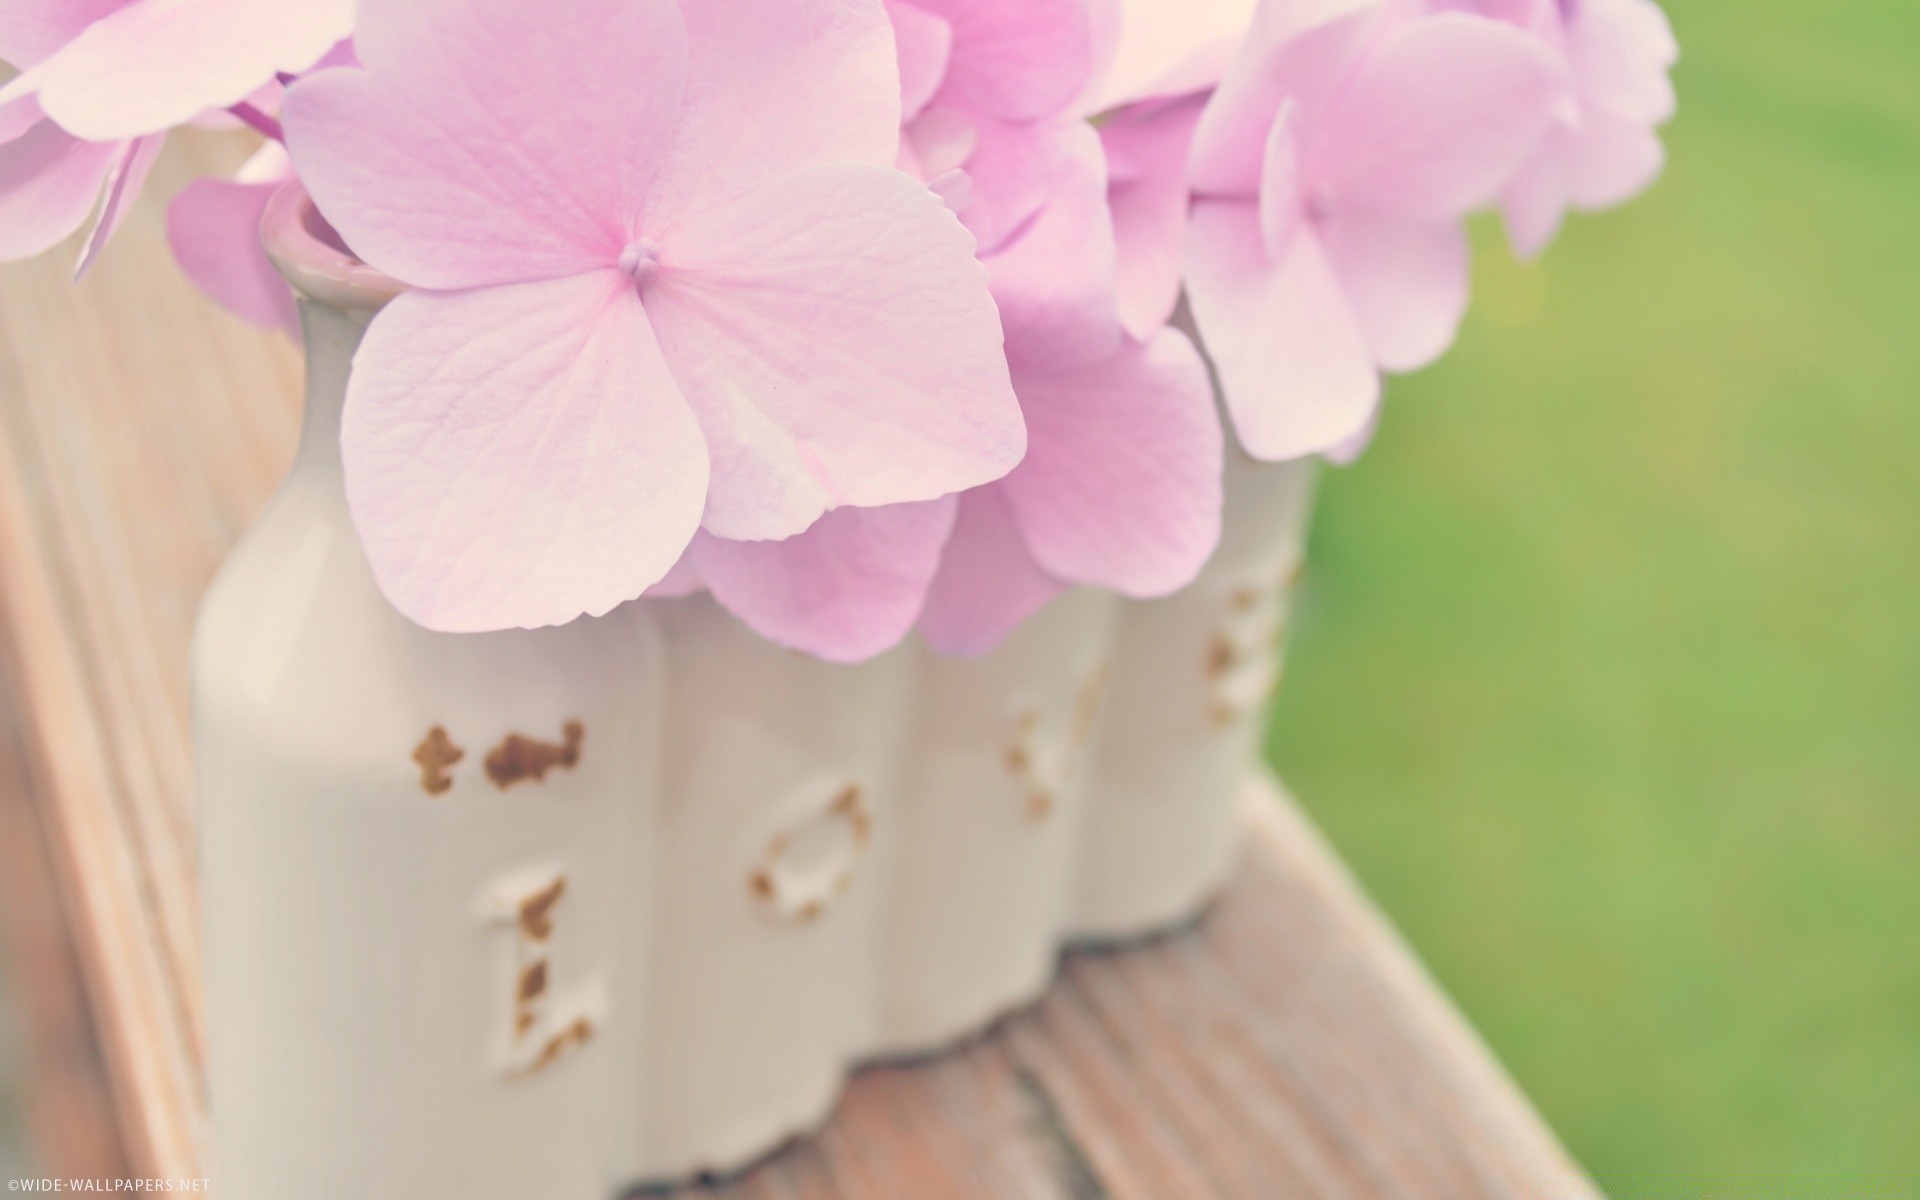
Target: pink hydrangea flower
[50, 180]
[989, 89]
[1331, 171]
[1120, 489]
[1604, 148]
[102, 80]
[1120, 486]
[665, 279]
[1167, 56]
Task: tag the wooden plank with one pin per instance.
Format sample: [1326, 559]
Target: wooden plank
[1290, 1045]
[66, 1105]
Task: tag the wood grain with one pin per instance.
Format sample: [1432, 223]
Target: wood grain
[1288, 1046]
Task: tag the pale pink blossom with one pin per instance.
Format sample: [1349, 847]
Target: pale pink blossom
[1604, 148]
[1331, 171]
[50, 180]
[990, 90]
[1159, 49]
[214, 228]
[1120, 485]
[666, 279]
[1120, 489]
[110, 70]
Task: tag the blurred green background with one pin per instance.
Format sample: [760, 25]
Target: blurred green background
[1607, 674]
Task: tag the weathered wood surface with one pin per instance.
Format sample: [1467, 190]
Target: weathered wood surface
[1290, 1046]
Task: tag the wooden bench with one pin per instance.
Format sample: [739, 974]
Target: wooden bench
[1290, 1045]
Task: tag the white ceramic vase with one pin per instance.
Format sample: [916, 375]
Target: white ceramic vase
[416, 852]
[554, 913]
[1193, 675]
[989, 824]
[774, 817]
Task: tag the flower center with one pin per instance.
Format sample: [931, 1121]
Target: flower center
[640, 259]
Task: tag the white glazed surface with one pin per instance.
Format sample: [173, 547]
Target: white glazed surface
[1192, 675]
[989, 824]
[365, 944]
[780, 778]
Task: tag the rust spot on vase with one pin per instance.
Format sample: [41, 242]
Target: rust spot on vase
[1041, 767]
[536, 911]
[436, 755]
[849, 805]
[810, 864]
[533, 982]
[521, 758]
[1222, 657]
[1087, 703]
[577, 1034]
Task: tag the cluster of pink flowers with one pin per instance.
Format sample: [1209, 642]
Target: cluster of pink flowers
[858, 314]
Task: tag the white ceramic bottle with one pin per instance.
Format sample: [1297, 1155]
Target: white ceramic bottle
[775, 809]
[1192, 677]
[418, 851]
[989, 824]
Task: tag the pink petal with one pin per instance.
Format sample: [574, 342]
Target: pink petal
[1015, 169]
[214, 228]
[926, 46]
[1019, 60]
[1147, 156]
[1611, 161]
[1535, 204]
[1283, 195]
[49, 182]
[1302, 51]
[683, 580]
[1121, 483]
[18, 116]
[1054, 283]
[517, 456]
[1345, 454]
[955, 190]
[1171, 48]
[836, 338]
[939, 141]
[778, 86]
[1439, 119]
[1621, 51]
[845, 590]
[1406, 280]
[32, 30]
[126, 179]
[1294, 369]
[492, 141]
[988, 581]
[154, 64]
